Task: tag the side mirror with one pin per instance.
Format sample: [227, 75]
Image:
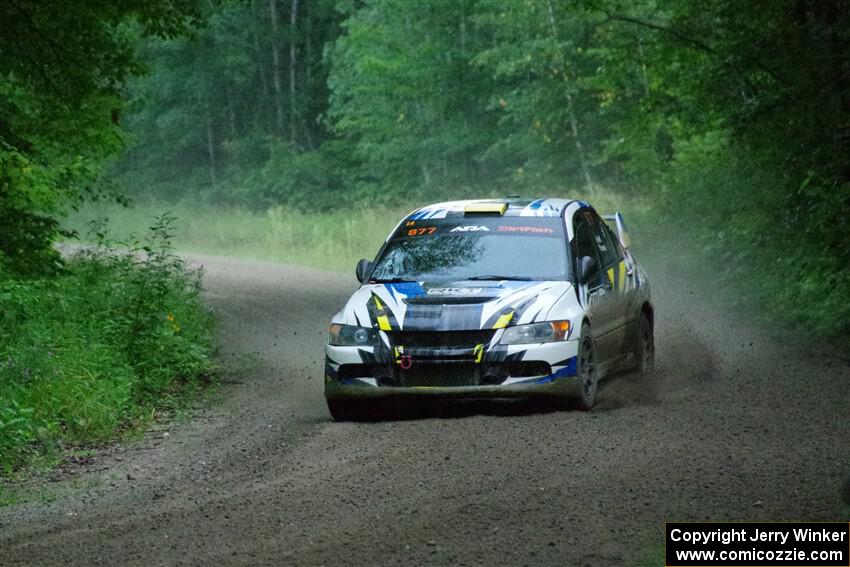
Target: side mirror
[586, 269]
[362, 270]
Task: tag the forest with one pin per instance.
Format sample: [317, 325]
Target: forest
[722, 124]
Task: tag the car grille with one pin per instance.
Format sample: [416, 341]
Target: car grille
[442, 375]
[441, 338]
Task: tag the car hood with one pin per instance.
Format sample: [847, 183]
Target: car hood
[458, 305]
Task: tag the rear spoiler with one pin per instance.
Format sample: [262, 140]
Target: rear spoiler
[617, 221]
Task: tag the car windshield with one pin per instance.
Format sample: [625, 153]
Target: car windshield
[484, 248]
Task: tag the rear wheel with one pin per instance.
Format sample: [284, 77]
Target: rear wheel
[645, 346]
[586, 370]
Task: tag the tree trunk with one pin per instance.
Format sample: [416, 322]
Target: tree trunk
[293, 121]
[836, 51]
[643, 75]
[258, 53]
[308, 48]
[276, 79]
[579, 146]
[571, 112]
[307, 63]
[307, 135]
[211, 149]
[462, 31]
[231, 114]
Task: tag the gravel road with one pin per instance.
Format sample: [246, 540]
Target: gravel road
[740, 422]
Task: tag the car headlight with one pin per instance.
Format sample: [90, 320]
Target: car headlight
[349, 335]
[547, 332]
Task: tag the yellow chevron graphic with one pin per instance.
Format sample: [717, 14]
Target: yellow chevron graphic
[478, 351]
[503, 321]
[383, 320]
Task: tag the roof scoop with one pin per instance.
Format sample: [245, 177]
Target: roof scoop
[485, 209]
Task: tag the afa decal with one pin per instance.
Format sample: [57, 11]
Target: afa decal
[470, 228]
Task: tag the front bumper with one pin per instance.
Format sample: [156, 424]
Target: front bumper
[562, 387]
[356, 372]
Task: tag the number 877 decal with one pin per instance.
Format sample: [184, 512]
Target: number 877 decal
[422, 231]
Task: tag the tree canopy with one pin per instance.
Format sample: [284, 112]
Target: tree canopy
[63, 67]
[735, 115]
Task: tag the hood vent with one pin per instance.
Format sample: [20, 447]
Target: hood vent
[448, 300]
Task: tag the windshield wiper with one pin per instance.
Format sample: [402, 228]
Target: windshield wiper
[496, 278]
[392, 280]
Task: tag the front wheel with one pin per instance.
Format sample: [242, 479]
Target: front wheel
[347, 410]
[645, 346]
[586, 370]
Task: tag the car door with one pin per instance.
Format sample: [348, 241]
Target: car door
[618, 271]
[597, 294]
[630, 289]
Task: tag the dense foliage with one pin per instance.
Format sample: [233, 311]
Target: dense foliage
[62, 70]
[237, 106]
[89, 347]
[431, 93]
[732, 118]
[86, 355]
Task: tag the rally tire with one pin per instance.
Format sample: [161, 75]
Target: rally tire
[348, 410]
[645, 346]
[586, 370]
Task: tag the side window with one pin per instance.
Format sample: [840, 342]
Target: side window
[584, 245]
[612, 244]
[609, 254]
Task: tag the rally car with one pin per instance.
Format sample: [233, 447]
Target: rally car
[492, 298]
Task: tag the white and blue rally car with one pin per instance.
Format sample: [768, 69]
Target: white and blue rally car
[492, 298]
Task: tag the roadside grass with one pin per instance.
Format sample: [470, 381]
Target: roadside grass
[93, 352]
[331, 240]
[35, 490]
[12, 496]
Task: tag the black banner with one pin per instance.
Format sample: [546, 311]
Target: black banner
[753, 544]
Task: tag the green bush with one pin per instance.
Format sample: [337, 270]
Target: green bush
[94, 350]
[757, 248]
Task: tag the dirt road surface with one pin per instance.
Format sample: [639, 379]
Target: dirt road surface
[740, 423]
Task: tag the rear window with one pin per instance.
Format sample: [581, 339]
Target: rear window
[476, 247]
